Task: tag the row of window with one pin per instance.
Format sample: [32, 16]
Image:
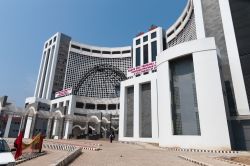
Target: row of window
[145, 38]
[100, 52]
[145, 53]
[50, 42]
[98, 106]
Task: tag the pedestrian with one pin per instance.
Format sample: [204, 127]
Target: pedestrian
[111, 137]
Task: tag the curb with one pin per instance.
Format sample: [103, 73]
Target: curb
[69, 158]
[231, 162]
[194, 161]
[201, 150]
[29, 158]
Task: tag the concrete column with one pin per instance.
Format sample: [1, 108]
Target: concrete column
[28, 127]
[54, 131]
[7, 129]
[21, 124]
[46, 81]
[136, 110]
[49, 126]
[61, 127]
[40, 75]
[68, 129]
[33, 126]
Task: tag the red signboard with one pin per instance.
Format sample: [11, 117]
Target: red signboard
[142, 69]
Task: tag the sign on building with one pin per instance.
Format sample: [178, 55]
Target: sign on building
[63, 92]
[141, 69]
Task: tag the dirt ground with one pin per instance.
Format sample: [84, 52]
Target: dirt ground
[241, 159]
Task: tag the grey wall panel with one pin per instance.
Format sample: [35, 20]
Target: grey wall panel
[145, 111]
[241, 15]
[185, 108]
[129, 123]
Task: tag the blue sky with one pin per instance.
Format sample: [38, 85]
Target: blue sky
[26, 24]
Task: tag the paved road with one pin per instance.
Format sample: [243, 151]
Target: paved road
[50, 158]
[118, 154]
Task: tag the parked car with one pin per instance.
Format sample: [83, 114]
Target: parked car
[6, 157]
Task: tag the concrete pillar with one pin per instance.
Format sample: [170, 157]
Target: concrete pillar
[7, 129]
[21, 124]
[68, 129]
[28, 127]
[33, 126]
[136, 110]
[49, 128]
[54, 131]
[61, 127]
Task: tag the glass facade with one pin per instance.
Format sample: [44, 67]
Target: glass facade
[153, 35]
[145, 116]
[145, 54]
[138, 56]
[129, 112]
[185, 114]
[154, 50]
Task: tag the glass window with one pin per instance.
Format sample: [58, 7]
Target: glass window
[50, 42]
[4, 146]
[90, 106]
[138, 57]
[96, 51]
[116, 52]
[145, 38]
[153, 35]
[112, 106]
[79, 105]
[75, 47]
[86, 49]
[106, 52]
[126, 51]
[145, 54]
[138, 41]
[185, 115]
[154, 50]
[54, 39]
[101, 106]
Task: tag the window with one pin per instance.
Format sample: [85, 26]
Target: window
[54, 105]
[145, 54]
[86, 49]
[138, 41]
[145, 38]
[90, 106]
[126, 51]
[101, 106]
[50, 42]
[112, 107]
[54, 39]
[153, 35]
[75, 47]
[46, 45]
[154, 50]
[96, 51]
[185, 115]
[106, 52]
[116, 52]
[79, 105]
[138, 56]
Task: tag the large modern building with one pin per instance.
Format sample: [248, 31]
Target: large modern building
[186, 86]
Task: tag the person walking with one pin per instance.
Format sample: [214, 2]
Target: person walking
[111, 137]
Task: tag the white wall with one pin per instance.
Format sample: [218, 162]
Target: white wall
[234, 60]
[211, 107]
[154, 111]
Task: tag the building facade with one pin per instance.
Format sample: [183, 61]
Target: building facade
[186, 86]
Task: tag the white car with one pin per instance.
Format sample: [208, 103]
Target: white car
[6, 157]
